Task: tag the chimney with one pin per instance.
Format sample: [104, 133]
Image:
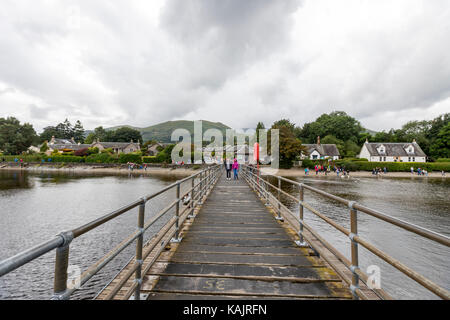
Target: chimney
[414, 141]
[367, 140]
[318, 140]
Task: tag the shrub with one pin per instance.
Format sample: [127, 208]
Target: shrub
[93, 150]
[150, 159]
[100, 158]
[130, 157]
[62, 159]
[443, 160]
[82, 152]
[109, 150]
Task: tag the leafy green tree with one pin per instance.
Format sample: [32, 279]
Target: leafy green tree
[126, 134]
[290, 146]
[337, 123]
[441, 146]
[14, 137]
[48, 133]
[330, 139]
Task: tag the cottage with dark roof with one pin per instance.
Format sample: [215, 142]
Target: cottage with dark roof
[393, 152]
[118, 147]
[321, 151]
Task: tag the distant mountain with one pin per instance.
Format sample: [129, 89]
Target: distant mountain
[162, 132]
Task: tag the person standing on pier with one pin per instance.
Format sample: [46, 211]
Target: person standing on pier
[228, 166]
[235, 169]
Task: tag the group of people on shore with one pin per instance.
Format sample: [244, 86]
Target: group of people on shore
[327, 169]
[420, 171]
[377, 171]
[132, 166]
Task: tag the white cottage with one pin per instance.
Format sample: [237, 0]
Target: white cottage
[321, 151]
[393, 152]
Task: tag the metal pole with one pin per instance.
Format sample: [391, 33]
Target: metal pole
[200, 199]
[177, 238]
[354, 249]
[61, 266]
[279, 200]
[139, 245]
[302, 242]
[191, 215]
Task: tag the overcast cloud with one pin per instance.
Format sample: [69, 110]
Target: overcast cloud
[238, 62]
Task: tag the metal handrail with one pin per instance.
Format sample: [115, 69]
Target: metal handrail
[262, 186]
[206, 179]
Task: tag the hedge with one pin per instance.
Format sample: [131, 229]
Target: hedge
[443, 160]
[61, 159]
[134, 158]
[40, 158]
[394, 166]
[151, 159]
[101, 158]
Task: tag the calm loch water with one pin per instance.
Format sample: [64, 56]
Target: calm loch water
[35, 207]
[424, 202]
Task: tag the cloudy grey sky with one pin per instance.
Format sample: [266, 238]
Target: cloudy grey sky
[142, 62]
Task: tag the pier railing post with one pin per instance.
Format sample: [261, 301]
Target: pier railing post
[139, 246]
[192, 204]
[279, 200]
[61, 266]
[177, 237]
[200, 196]
[301, 242]
[266, 187]
[354, 249]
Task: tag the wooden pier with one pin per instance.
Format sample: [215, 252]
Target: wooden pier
[235, 249]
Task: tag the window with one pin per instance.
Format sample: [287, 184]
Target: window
[381, 159]
[384, 159]
[315, 157]
[414, 159]
[409, 159]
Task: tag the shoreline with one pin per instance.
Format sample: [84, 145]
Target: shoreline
[294, 172]
[101, 169]
[187, 171]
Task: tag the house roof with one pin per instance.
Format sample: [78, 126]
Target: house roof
[56, 141]
[395, 149]
[329, 150]
[119, 145]
[74, 147]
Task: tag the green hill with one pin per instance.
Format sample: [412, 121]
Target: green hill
[162, 132]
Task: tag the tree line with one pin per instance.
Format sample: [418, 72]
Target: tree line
[334, 128]
[348, 134]
[16, 138]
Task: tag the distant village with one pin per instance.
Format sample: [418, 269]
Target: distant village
[373, 152]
